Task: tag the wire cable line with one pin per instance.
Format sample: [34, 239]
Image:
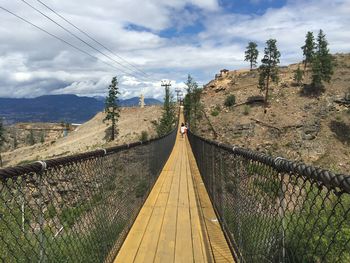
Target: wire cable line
[60, 39]
[92, 38]
[82, 40]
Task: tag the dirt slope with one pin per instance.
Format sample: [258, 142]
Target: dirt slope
[89, 136]
[299, 126]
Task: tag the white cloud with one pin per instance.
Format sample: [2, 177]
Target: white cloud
[288, 25]
[32, 63]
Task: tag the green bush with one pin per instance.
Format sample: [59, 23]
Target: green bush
[246, 110]
[141, 188]
[214, 112]
[230, 100]
[321, 226]
[144, 136]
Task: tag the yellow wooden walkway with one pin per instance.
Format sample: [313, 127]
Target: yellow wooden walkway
[177, 222]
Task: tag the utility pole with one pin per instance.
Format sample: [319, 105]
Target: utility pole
[166, 83]
[178, 94]
[181, 98]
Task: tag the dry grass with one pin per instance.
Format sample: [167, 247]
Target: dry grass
[89, 136]
[290, 111]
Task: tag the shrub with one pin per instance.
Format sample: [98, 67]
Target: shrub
[30, 138]
[214, 112]
[144, 136]
[230, 100]
[246, 110]
[298, 76]
[141, 188]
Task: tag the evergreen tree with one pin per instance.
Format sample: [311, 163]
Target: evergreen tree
[308, 49]
[111, 107]
[167, 121]
[2, 138]
[322, 66]
[42, 137]
[30, 138]
[191, 85]
[15, 142]
[251, 54]
[269, 68]
[298, 76]
[192, 105]
[316, 72]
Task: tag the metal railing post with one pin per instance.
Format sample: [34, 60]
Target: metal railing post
[41, 218]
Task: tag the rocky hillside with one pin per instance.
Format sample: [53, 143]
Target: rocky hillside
[298, 125]
[88, 136]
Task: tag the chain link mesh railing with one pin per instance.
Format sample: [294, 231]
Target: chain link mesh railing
[275, 210]
[77, 208]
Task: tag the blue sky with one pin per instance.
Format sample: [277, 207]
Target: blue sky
[164, 39]
[257, 7]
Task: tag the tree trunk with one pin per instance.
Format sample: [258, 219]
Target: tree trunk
[251, 65]
[113, 126]
[0, 160]
[267, 92]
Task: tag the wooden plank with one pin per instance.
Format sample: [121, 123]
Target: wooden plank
[198, 242]
[183, 244]
[130, 246]
[149, 242]
[218, 244]
[177, 222]
[166, 244]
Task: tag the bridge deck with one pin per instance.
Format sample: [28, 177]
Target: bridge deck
[177, 222]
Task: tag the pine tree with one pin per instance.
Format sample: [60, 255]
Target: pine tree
[269, 68]
[42, 137]
[308, 49]
[325, 57]
[298, 76]
[322, 66]
[316, 73]
[167, 121]
[111, 107]
[192, 105]
[30, 138]
[251, 54]
[2, 138]
[15, 142]
[191, 85]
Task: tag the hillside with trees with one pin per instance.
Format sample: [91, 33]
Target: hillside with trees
[307, 116]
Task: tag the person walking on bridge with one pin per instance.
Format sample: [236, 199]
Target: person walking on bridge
[183, 129]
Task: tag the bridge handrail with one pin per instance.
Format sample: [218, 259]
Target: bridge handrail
[37, 166]
[273, 209]
[331, 180]
[77, 208]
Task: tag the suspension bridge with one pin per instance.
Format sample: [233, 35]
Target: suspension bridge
[173, 199]
[177, 223]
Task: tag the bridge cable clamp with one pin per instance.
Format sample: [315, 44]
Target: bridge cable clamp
[278, 158]
[43, 165]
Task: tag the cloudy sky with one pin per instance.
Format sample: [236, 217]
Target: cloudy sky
[150, 40]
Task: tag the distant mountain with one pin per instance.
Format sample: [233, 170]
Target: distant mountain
[132, 101]
[57, 108]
